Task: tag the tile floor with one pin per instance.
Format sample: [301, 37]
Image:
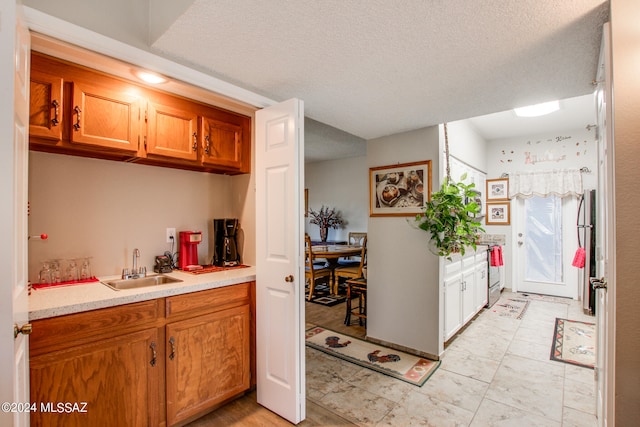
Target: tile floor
[497, 372]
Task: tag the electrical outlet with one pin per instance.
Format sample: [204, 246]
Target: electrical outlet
[171, 235]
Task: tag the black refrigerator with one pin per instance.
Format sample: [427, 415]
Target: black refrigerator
[586, 228]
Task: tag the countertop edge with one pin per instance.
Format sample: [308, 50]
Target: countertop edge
[53, 302]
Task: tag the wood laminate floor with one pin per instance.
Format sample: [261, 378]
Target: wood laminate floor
[245, 412]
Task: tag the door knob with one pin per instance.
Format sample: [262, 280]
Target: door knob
[26, 329]
[289, 278]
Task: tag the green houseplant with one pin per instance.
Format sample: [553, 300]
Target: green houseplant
[450, 216]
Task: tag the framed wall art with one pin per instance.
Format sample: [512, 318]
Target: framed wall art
[498, 213]
[306, 202]
[497, 189]
[399, 190]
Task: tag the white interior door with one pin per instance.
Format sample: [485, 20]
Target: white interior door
[279, 259]
[14, 151]
[546, 242]
[605, 240]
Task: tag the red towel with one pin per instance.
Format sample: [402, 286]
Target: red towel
[579, 258]
[496, 256]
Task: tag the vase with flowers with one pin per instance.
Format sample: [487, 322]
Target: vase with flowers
[325, 218]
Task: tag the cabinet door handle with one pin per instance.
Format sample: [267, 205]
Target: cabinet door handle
[56, 111]
[195, 142]
[207, 146]
[154, 355]
[76, 125]
[172, 342]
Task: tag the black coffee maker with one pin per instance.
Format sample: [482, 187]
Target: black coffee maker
[225, 233]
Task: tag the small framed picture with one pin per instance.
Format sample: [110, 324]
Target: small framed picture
[497, 189]
[498, 214]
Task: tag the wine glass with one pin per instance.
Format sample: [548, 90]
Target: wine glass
[45, 273]
[72, 271]
[56, 275]
[85, 269]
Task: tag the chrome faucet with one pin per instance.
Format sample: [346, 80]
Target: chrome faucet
[136, 255]
[135, 272]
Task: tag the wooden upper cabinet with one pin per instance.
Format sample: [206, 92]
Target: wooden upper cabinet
[172, 132]
[222, 143]
[45, 112]
[105, 116]
[79, 111]
[226, 140]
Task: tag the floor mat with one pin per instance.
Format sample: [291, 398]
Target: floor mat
[514, 308]
[403, 366]
[574, 342]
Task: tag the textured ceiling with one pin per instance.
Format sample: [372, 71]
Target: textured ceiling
[377, 67]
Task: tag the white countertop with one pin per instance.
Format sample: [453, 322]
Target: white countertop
[58, 301]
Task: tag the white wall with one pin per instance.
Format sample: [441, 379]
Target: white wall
[105, 209]
[123, 20]
[466, 145]
[571, 149]
[342, 184]
[403, 289]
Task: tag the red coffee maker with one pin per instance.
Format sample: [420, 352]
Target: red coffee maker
[188, 258]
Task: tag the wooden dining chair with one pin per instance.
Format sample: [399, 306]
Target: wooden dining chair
[355, 238]
[312, 272]
[353, 271]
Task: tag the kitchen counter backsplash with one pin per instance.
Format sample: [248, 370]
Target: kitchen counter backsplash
[61, 300]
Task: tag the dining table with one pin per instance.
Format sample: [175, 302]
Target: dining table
[332, 253]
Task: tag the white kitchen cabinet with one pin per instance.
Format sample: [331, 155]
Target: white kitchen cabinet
[468, 296]
[464, 289]
[452, 305]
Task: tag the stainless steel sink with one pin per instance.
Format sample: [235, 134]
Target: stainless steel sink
[142, 282]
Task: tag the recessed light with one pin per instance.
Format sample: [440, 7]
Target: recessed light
[538, 109]
[150, 77]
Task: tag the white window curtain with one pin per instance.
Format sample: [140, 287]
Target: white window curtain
[561, 183]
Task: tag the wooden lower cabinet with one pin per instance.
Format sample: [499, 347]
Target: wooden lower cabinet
[160, 362]
[109, 383]
[207, 361]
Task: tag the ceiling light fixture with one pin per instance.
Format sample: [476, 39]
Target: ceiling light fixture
[151, 78]
[538, 109]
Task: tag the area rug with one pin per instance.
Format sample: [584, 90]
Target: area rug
[574, 342]
[397, 364]
[513, 308]
[321, 295]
